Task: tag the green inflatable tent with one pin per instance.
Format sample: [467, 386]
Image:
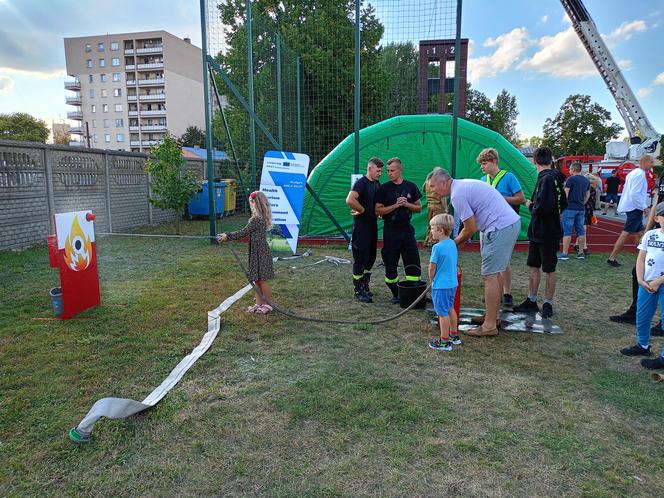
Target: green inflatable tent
[422, 142]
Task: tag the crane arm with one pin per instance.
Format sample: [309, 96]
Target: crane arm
[628, 106]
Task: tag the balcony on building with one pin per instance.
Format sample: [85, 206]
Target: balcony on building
[156, 127]
[132, 98]
[149, 46]
[152, 97]
[135, 143]
[148, 143]
[129, 67]
[151, 82]
[134, 128]
[74, 85]
[77, 115]
[133, 113]
[76, 143]
[73, 99]
[131, 82]
[150, 65]
[76, 130]
[155, 112]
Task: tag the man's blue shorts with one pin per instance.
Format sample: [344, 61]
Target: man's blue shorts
[573, 219]
[443, 300]
[634, 221]
[611, 198]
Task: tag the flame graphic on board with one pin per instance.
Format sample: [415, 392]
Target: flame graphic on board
[78, 248]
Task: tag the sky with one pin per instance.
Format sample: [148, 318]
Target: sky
[526, 47]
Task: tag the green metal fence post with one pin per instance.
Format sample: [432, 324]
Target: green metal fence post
[280, 124]
[457, 75]
[357, 87]
[208, 126]
[299, 110]
[250, 84]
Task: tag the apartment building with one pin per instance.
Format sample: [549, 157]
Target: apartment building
[130, 88]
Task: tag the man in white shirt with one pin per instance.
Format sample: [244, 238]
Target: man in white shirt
[634, 203]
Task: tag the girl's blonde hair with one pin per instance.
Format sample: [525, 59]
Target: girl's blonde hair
[446, 221]
[260, 206]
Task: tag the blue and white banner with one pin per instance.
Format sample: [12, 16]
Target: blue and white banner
[283, 181]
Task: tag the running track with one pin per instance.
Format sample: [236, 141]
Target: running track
[601, 238]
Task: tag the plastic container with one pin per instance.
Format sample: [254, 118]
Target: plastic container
[230, 202]
[409, 291]
[56, 301]
[199, 204]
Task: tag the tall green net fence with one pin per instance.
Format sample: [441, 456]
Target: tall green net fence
[303, 59]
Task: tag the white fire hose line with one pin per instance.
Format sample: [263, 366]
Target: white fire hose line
[123, 408]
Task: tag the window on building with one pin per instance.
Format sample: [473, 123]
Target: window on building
[100, 47]
[88, 47]
[115, 46]
[119, 123]
[117, 92]
[104, 107]
[103, 78]
[102, 62]
[95, 138]
[88, 63]
[92, 93]
[107, 137]
[94, 123]
[104, 93]
[91, 78]
[93, 108]
[105, 123]
[120, 137]
[117, 77]
[115, 61]
[118, 107]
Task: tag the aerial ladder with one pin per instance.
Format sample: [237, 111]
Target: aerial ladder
[643, 137]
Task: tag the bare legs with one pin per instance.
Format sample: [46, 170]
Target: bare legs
[447, 323]
[492, 294]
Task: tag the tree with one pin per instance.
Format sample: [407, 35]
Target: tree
[193, 136]
[478, 108]
[321, 33]
[580, 127]
[171, 186]
[498, 116]
[503, 116]
[23, 127]
[61, 137]
[399, 94]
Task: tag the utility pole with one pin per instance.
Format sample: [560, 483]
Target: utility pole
[87, 134]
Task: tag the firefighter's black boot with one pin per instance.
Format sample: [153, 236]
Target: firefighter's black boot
[365, 281]
[395, 292]
[360, 295]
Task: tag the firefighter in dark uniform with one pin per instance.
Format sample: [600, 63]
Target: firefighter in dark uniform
[361, 200]
[396, 201]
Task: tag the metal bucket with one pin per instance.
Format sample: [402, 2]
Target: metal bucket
[56, 301]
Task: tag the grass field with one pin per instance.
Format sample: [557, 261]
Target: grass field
[280, 407]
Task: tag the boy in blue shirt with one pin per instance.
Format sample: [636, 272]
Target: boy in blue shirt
[443, 277]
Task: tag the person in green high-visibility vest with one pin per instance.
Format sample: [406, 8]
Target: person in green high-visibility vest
[509, 187]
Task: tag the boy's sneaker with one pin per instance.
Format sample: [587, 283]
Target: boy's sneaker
[547, 310]
[580, 255]
[657, 331]
[456, 340]
[636, 350]
[656, 364]
[613, 262]
[563, 257]
[508, 300]
[441, 345]
[527, 306]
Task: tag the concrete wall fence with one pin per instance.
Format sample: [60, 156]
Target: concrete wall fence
[38, 180]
